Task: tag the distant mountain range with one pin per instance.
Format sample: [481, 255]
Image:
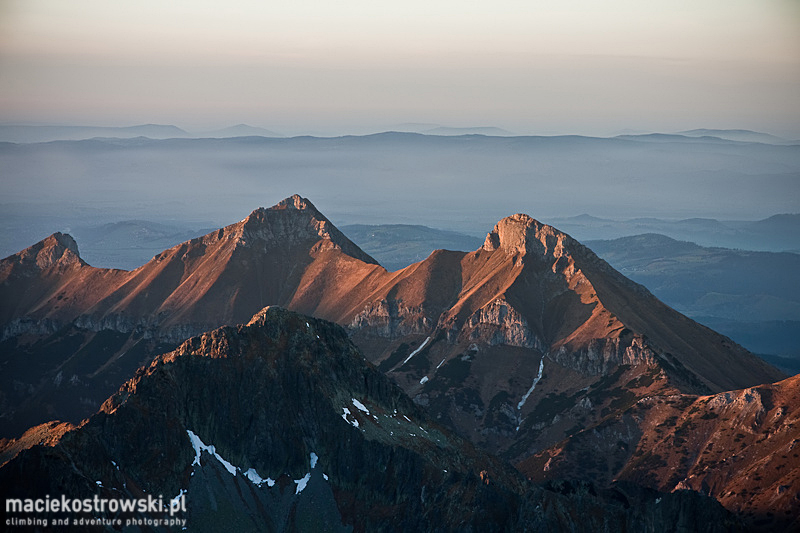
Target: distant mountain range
[25, 133]
[129, 244]
[486, 130]
[36, 134]
[240, 130]
[458, 183]
[738, 135]
[778, 233]
[524, 346]
[739, 290]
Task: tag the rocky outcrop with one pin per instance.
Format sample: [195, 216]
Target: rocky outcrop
[499, 323]
[521, 234]
[391, 319]
[149, 327]
[58, 250]
[602, 356]
[28, 326]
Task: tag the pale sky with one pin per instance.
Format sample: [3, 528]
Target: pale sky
[568, 66]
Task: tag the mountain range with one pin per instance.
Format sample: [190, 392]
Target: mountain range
[48, 133]
[525, 344]
[737, 135]
[39, 133]
[778, 233]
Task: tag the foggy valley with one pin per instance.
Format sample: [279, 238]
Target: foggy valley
[461, 183]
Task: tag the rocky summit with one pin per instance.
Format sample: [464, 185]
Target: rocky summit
[528, 348]
[281, 425]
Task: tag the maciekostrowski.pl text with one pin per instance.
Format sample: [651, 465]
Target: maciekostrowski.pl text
[29, 512]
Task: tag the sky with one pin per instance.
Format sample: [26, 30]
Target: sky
[354, 66]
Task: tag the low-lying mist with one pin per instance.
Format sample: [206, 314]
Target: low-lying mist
[461, 183]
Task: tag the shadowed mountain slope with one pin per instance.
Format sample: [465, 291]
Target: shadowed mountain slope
[281, 425]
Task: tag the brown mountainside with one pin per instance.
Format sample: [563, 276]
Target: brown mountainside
[741, 447]
[220, 278]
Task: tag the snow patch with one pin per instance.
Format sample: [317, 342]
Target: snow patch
[200, 446]
[175, 503]
[302, 482]
[251, 474]
[423, 380]
[415, 352]
[353, 422]
[535, 382]
[360, 406]
[99, 483]
[257, 480]
[440, 364]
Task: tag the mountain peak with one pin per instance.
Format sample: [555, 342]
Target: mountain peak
[58, 248]
[296, 201]
[262, 316]
[293, 221]
[64, 240]
[521, 234]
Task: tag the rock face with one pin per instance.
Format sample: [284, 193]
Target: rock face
[499, 323]
[281, 425]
